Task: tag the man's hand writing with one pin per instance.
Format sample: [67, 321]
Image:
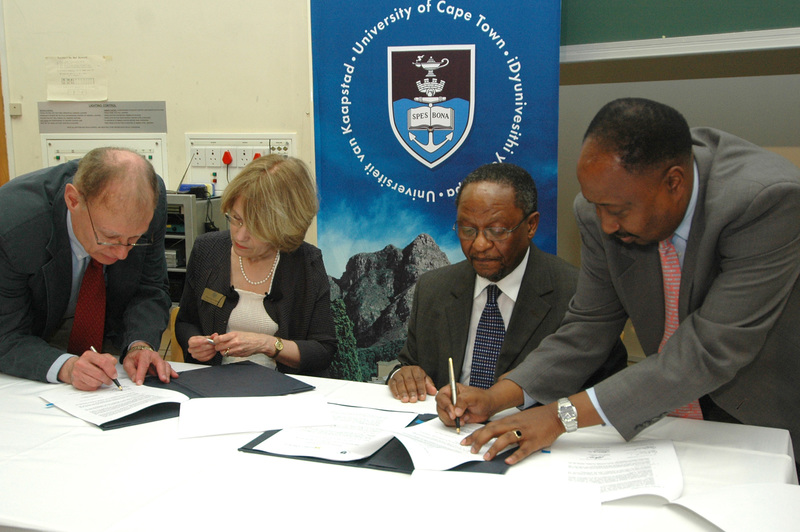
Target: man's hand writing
[89, 371]
[474, 405]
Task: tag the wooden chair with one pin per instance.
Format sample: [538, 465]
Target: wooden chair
[176, 353]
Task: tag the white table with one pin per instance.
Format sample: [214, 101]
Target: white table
[60, 473]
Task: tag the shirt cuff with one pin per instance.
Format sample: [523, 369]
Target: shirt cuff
[395, 369]
[52, 373]
[596, 405]
[528, 401]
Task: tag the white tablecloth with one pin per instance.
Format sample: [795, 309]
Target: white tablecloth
[60, 473]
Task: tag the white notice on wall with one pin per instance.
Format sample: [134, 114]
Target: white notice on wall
[75, 78]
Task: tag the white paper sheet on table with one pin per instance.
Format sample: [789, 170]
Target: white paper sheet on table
[355, 433]
[229, 415]
[434, 446]
[378, 396]
[624, 469]
[109, 403]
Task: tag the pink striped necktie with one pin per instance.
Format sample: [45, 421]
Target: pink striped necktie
[671, 272]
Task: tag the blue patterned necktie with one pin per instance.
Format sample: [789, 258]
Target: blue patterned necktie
[488, 339]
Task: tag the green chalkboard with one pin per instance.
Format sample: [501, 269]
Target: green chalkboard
[601, 21]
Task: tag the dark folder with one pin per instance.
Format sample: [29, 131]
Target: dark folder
[243, 379]
[391, 457]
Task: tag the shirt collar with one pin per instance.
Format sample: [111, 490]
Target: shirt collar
[509, 284]
[77, 248]
[683, 229]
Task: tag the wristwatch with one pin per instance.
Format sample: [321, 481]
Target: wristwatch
[278, 347]
[568, 414]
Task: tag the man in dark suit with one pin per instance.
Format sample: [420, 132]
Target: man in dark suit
[48, 238]
[730, 210]
[497, 216]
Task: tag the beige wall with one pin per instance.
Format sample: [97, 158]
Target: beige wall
[244, 66]
[239, 66]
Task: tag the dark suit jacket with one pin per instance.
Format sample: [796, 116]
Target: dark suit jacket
[739, 333]
[36, 275]
[300, 301]
[440, 316]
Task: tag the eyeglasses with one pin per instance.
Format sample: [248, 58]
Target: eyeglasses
[234, 220]
[492, 234]
[141, 242]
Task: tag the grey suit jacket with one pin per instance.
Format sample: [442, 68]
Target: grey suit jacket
[36, 275]
[739, 333]
[440, 316]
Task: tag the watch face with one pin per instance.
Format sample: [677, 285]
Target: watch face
[568, 415]
[278, 344]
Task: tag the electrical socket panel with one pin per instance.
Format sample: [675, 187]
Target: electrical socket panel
[214, 157]
[198, 157]
[243, 155]
[205, 153]
[60, 148]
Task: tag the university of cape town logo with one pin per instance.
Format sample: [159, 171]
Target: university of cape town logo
[431, 116]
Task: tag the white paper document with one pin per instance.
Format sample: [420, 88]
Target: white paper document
[437, 447]
[229, 415]
[109, 402]
[77, 78]
[379, 396]
[355, 433]
[624, 469]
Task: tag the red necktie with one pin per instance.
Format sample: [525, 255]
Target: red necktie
[671, 271]
[90, 311]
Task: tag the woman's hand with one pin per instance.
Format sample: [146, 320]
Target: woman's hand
[202, 348]
[242, 344]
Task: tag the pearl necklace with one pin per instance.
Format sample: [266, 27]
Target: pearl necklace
[274, 266]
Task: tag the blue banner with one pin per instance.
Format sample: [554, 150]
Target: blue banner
[408, 100]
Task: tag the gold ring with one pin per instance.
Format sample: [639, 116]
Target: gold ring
[226, 351]
[517, 433]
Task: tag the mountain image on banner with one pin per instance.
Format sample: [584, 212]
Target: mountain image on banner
[372, 303]
[431, 99]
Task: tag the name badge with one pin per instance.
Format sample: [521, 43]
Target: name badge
[215, 298]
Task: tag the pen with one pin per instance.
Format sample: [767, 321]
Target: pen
[210, 341]
[453, 393]
[115, 380]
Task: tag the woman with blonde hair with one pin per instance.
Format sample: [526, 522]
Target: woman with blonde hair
[257, 291]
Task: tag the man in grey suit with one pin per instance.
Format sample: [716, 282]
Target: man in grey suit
[49, 235]
[731, 211]
[497, 216]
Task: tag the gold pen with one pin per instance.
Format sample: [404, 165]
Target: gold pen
[115, 380]
[453, 392]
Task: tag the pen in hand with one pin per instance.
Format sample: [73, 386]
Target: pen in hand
[453, 393]
[115, 380]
